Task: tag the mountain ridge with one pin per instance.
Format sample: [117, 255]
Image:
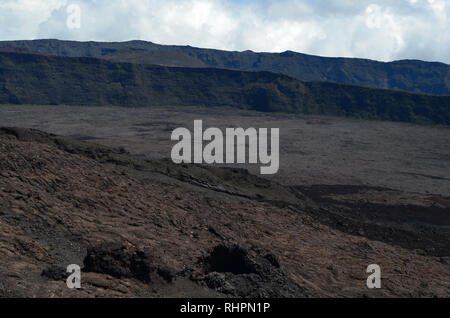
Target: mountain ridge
[47, 80]
[409, 75]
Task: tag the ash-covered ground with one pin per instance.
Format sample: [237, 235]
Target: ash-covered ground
[313, 150]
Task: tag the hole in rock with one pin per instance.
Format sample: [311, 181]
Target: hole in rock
[225, 259]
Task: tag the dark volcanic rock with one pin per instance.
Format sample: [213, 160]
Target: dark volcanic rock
[55, 273]
[122, 261]
[109, 258]
[243, 272]
[230, 259]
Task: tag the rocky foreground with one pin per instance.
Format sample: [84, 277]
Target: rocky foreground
[142, 228]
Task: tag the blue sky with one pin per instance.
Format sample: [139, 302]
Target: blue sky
[377, 29]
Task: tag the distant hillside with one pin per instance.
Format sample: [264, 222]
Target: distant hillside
[41, 79]
[408, 75]
[156, 57]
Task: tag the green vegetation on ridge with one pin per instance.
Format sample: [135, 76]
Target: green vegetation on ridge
[40, 79]
[408, 75]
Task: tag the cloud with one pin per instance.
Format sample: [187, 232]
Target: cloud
[382, 30]
[23, 17]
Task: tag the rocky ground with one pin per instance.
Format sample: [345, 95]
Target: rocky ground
[313, 150]
[143, 227]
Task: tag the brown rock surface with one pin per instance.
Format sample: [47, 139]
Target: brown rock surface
[59, 198]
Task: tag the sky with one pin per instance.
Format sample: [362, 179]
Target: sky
[383, 30]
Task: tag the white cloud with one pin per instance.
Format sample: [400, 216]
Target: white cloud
[383, 30]
[23, 17]
[439, 8]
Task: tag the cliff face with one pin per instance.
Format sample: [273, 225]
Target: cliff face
[50, 80]
[408, 75]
